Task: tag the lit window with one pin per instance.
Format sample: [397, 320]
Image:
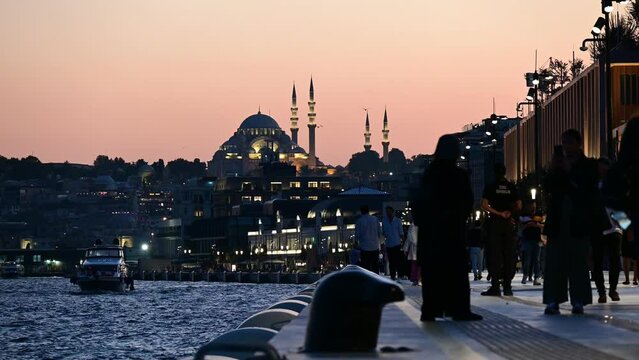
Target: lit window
[246, 199]
[257, 198]
[325, 184]
[198, 213]
[276, 186]
[312, 197]
[312, 184]
[295, 197]
[247, 185]
[296, 185]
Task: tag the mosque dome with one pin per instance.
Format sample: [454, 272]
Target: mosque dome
[259, 121]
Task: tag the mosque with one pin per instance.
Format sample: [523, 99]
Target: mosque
[260, 140]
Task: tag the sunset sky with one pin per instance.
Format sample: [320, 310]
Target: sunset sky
[166, 79]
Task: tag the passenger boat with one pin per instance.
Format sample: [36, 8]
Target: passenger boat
[103, 268]
[11, 269]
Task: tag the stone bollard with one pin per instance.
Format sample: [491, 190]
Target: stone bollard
[153, 275]
[347, 311]
[239, 276]
[258, 277]
[208, 276]
[224, 276]
[166, 275]
[297, 277]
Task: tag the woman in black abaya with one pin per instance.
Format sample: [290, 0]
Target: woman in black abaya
[441, 209]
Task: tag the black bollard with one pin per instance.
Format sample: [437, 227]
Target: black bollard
[346, 311]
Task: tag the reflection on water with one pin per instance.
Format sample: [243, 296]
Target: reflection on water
[49, 318]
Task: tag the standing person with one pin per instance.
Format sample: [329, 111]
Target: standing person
[621, 187]
[531, 228]
[476, 250]
[608, 243]
[410, 250]
[501, 200]
[441, 207]
[393, 232]
[629, 261]
[367, 234]
[573, 217]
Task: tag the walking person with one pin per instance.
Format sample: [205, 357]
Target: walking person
[393, 232]
[410, 250]
[441, 207]
[476, 250]
[367, 235]
[573, 218]
[629, 261]
[531, 228]
[607, 243]
[501, 201]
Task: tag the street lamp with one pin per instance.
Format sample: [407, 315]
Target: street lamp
[531, 94]
[145, 247]
[533, 194]
[606, 6]
[599, 25]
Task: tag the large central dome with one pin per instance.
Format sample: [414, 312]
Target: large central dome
[259, 121]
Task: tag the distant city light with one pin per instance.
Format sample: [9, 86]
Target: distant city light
[488, 133]
[467, 147]
[145, 247]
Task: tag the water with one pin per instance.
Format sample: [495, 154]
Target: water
[48, 318]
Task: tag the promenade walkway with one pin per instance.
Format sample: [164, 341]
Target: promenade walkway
[513, 328]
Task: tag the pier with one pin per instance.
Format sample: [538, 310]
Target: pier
[514, 327]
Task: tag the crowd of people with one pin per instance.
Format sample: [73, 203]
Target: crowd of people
[581, 225]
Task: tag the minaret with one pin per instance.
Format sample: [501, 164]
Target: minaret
[311, 127]
[385, 141]
[367, 135]
[294, 117]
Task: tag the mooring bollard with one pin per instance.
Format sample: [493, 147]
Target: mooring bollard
[166, 275]
[258, 277]
[297, 277]
[277, 277]
[208, 276]
[224, 276]
[239, 276]
[347, 311]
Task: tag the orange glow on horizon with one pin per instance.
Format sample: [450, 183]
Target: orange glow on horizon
[166, 79]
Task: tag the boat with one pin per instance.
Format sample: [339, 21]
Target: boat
[11, 269]
[103, 269]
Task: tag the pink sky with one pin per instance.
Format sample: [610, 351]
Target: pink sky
[165, 79]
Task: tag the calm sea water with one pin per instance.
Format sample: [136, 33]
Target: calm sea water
[48, 318]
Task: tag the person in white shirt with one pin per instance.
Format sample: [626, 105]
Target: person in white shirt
[367, 235]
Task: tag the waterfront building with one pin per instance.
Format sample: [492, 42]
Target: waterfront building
[581, 105]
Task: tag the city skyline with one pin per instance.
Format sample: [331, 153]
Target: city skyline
[168, 80]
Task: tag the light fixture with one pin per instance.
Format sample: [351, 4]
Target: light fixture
[548, 77]
[606, 6]
[488, 133]
[533, 193]
[467, 147]
[145, 247]
[494, 140]
[583, 48]
[495, 121]
[624, 2]
[535, 79]
[531, 94]
[462, 157]
[599, 25]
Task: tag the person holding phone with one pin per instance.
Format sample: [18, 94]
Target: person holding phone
[573, 219]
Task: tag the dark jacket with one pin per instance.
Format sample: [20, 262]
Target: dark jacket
[587, 215]
[621, 188]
